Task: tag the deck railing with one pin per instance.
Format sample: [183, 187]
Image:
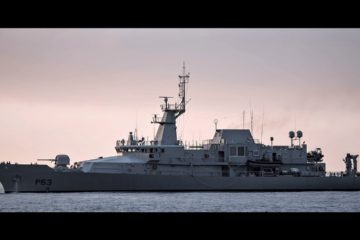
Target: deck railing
[335, 174]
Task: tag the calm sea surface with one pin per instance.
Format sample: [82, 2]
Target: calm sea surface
[182, 202]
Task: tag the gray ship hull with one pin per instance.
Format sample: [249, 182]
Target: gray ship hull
[32, 178]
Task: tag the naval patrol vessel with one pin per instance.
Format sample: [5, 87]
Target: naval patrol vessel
[231, 161]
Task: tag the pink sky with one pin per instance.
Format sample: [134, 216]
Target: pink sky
[77, 91]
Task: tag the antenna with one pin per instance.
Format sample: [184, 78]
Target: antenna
[183, 67]
[250, 106]
[251, 123]
[262, 126]
[243, 119]
[215, 122]
[136, 127]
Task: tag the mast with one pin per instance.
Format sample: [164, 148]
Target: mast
[166, 133]
[184, 79]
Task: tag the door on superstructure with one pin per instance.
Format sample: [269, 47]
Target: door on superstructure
[225, 171]
[221, 156]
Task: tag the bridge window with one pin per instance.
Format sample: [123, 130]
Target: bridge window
[241, 151]
[232, 151]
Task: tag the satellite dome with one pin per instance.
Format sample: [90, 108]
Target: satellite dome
[299, 134]
[291, 134]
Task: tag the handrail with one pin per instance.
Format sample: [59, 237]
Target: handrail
[335, 174]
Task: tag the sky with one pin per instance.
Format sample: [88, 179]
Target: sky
[77, 91]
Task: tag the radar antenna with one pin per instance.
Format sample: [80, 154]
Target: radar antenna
[166, 106]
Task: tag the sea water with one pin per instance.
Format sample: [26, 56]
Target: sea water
[332, 201]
